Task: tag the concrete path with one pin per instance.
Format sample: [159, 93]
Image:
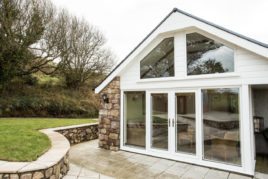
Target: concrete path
[88, 161]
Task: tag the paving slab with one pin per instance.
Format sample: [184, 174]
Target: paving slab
[128, 165]
[195, 172]
[261, 175]
[105, 177]
[74, 170]
[178, 169]
[88, 177]
[237, 176]
[212, 174]
[165, 175]
[70, 177]
[159, 166]
[88, 173]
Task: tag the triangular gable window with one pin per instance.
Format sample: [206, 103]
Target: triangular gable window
[206, 56]
[160, 61]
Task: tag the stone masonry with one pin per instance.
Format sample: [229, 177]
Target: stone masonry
[57, 171]
[76, 135]
[109, 116]
[54, 164]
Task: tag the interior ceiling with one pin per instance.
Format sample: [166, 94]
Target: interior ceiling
[265, 86]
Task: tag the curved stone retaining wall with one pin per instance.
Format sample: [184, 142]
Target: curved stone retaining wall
[80, 133]
[54, 164]
[54, 172]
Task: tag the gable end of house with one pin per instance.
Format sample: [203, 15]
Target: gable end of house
[115, 71]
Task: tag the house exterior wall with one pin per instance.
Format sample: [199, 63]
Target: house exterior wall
[180, 23]
[109, 116]
[250, 68]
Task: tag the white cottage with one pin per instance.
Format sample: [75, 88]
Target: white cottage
[191, 91]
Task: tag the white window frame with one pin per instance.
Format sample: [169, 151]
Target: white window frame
[123, 123]
[247, 160]
[147, 51]
[185, 76]
[240, 119]
[233, 47]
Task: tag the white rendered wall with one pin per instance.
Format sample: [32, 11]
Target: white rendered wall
[249, 68]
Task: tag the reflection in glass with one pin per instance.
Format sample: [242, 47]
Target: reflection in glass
[185, 128]
[134, 116]
[159, 118]
[206, 56]
[221, 125]
[160, 61]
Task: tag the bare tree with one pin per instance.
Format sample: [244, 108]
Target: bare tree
[87, 56]
[34, 37]
[30, 40]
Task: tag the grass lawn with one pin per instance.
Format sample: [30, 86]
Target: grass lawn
[20, 139]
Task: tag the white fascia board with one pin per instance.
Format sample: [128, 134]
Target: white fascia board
[255, 48]
[119, 69]
[122, 66]
[179, 21]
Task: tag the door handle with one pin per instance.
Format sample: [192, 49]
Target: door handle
[173, 122]
[169, 122]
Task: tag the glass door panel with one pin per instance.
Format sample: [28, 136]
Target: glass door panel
[134, 118]
[159, 121]
[221, 125]
[185, 123]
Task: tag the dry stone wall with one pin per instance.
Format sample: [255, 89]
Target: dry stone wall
[81, 133]
[109, 116]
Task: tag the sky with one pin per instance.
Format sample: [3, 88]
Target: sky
[126, 22]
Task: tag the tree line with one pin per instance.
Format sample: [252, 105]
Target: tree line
[37, 37]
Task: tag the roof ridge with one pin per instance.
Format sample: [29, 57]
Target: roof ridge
[221, 28]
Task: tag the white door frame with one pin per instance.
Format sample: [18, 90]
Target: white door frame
[171, 129]
[149, 121]
[245, 136]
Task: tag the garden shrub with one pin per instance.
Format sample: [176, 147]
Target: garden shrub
[49, 102]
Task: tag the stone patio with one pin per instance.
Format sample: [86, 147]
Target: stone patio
[89, 161]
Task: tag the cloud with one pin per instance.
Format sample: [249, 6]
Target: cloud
[126, 23]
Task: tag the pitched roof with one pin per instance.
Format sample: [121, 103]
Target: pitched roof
[193, 17]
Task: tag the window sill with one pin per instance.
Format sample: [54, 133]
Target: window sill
[193, 77]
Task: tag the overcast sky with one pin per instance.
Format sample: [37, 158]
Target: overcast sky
[126, 22]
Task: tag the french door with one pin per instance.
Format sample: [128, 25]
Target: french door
[200, 126]
[173, 122]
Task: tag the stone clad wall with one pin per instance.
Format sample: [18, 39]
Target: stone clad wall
[109, 117]
[80, 134]
[52, 164]
[57, 171]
